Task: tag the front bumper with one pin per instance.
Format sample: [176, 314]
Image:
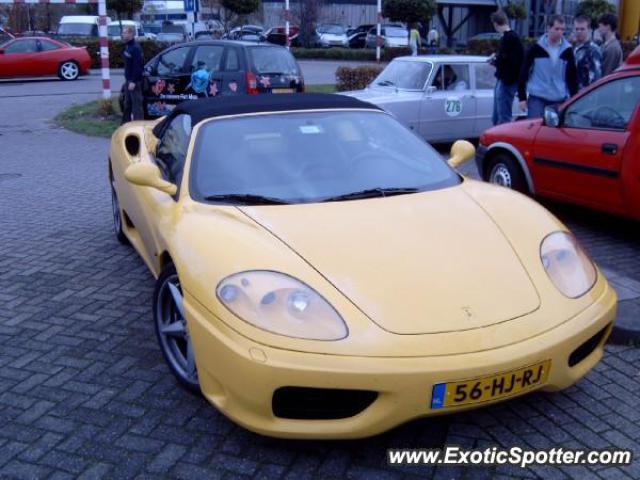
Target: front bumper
[240, 376]
[481, 153]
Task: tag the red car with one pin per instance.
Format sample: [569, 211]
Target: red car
[42, 56]
[587, 151]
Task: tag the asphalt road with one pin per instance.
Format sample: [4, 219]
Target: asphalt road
[85, 393]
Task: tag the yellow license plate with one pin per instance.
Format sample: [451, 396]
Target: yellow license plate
[282, 90]
[493, 387]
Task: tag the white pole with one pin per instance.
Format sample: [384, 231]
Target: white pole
[378, 31]
[104, 50]
[286, 21]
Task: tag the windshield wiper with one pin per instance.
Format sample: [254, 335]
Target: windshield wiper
[372, 192]
[386, 83]
[246, 199]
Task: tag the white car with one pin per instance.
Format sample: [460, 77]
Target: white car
[393, 36]
[114, 30]
[440, 97]
[330, 35]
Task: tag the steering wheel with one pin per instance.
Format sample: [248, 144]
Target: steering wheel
[605, 116]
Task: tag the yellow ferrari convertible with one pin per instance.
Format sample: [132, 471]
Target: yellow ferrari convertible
[323, 273]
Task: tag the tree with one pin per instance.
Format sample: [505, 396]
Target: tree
[594, 9]
[515, 10]
[239, 8]
[124, 8]
[308, 12]
[409, 11]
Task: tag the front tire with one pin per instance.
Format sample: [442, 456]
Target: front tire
[69, 70]
[504, 171]
[117, 216]
[172, 329]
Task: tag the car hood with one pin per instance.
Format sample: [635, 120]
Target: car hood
[381, 95]
[423, 263]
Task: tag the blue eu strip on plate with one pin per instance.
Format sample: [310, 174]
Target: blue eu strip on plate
[437, 398]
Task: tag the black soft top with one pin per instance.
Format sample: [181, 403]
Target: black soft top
[205, 108]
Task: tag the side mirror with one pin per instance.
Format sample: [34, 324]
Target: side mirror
[551, 117]
[148, 175]
[150, 140]
[461, 151]
[430, 90]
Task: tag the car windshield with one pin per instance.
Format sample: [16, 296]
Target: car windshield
[78, 29]
[395, 32]
[273, 60]
[405, 74]
[310, 157]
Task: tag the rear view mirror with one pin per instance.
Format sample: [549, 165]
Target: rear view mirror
[551, 117]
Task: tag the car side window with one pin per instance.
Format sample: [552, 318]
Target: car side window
[232, 63]
[172, 149]
[172, 62]
[452, 78]
[485, 76]
[211, 55]
[45, 46]
[608, 107]
[22, 46]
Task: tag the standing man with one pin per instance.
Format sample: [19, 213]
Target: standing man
[414, 39]
[549, 71]
[133, 65]
[611, 50]
[587, 53]
[433, 39]
[508, 63]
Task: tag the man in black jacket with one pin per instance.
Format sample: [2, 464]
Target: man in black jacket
[549, 74]
[132, 88]
[508, 62]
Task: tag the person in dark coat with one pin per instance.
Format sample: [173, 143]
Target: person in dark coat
[508, 62]
[133, 67]
[587, 53]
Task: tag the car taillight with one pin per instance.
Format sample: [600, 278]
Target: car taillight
[252, 84]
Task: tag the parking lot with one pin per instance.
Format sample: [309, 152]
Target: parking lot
[84, 390]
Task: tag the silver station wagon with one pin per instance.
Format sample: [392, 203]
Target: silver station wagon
[440, 97]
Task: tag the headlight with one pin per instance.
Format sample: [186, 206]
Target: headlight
[568, 266]
[281, 304]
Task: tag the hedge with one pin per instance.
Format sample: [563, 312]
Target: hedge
[151, 49]
[356, 78]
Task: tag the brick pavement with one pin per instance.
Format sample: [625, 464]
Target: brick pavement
[84, 391]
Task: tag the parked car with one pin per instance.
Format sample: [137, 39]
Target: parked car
[330, 35]
[79, 25]
[392, 36]
[233, 68]
[587, 151]
[5, 36]
[114, 30]
[247, 33]
[440, 97]
[322, 273]
[171, 37]
[358, 36]
[277, 36]
[41, 56]
[487, 36]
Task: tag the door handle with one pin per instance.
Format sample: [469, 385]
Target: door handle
[609, 148]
